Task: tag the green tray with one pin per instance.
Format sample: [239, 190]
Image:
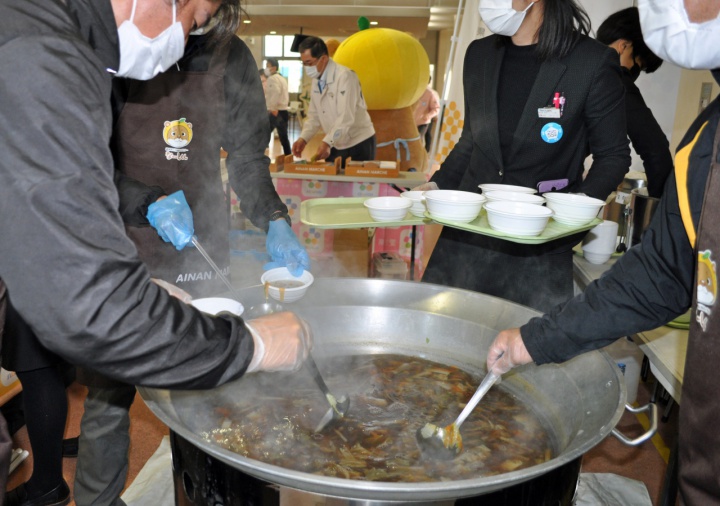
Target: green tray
[553, 230]
[347, 212]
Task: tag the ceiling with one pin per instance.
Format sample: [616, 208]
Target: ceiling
[338, 18]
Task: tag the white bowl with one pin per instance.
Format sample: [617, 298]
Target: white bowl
[388, 208]
[498, 196]
[215, 305]
[596, 258]
[418, 202]
[489, 187]
[283, 286]
[517, 218]
[454, 205]
[571, 209]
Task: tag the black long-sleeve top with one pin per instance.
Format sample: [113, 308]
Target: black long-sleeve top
[647, 138]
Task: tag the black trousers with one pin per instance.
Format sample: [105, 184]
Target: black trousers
[362, 151]
[280, 123]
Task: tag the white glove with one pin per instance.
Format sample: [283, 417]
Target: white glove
[426, 187]
[173, 290]
[282, 342]
[507, 351]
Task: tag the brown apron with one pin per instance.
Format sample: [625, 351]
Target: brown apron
[699, 442]
[171, 132]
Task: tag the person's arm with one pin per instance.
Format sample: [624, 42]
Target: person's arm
[450, 174]
[311, 124]
[648, 286]
[245, 138]
[73, 273]
[604, 117]
[348, 97]
[649, 142]
[135, 197]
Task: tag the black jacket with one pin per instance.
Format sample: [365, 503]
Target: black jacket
[593, 122]
[651, 284]
[72, 273]
[647, 138]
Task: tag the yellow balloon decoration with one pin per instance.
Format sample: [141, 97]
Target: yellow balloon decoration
[392, 66]
[332, 45]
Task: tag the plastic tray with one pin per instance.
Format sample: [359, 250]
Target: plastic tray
[553, 230]
[347, 212]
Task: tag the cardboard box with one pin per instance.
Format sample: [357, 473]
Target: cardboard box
[320, 167]
[277, 164]
[371, 168]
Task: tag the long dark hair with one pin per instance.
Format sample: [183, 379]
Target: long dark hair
[563, 22]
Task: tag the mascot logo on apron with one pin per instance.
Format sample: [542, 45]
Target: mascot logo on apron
[177, 134]
[706, 288]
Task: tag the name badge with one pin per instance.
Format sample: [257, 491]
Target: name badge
[549, 112]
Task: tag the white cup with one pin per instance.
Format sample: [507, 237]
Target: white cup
[600, 243]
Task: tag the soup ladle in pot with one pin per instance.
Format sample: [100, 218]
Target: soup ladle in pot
[338, 405]
[446, 442]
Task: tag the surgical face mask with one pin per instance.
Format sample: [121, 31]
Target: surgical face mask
[500, 17]
[668, 32]
[142, 57]
[267, 72]
[635, 72]
[312, 72]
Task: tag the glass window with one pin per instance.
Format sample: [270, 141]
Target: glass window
[273, 45]
[288, 44]
[292, 71]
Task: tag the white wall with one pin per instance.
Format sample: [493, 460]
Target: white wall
[688, 102]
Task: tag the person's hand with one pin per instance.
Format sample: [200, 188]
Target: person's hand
[172, 218]
[298, 147]
[274, 113]
[507, 351]
[426, 187]
[322, 152]
[285, 250]
[173, 290]
[282, 342]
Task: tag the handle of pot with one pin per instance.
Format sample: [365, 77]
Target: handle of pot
[652, 408]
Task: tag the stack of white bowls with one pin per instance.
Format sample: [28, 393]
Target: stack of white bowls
[489, 187]
[454, 205]
[528, 198]
[574, 210]
[388, 208]
[517, 218]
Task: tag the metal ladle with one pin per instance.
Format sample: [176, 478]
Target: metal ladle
[338, 405]
[446, 442]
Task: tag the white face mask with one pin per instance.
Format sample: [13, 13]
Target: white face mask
[267, 72]
[142, 57]
[500, 17]
[312, 72]
[668, 32]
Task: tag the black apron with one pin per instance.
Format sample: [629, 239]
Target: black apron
[170, 132]
[155, 147]
[699, 441]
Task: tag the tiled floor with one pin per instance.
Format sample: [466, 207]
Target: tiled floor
[645, 463]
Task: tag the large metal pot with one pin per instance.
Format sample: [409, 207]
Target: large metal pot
[581, 400]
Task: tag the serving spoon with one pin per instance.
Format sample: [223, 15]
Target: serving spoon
[446, 442]
[338, 405]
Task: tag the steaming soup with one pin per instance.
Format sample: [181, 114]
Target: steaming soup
[391, 396]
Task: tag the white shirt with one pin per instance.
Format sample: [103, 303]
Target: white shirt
[339, 109]
[277, 97]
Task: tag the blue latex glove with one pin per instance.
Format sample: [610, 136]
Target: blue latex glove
[173, 219]
[285, 250]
